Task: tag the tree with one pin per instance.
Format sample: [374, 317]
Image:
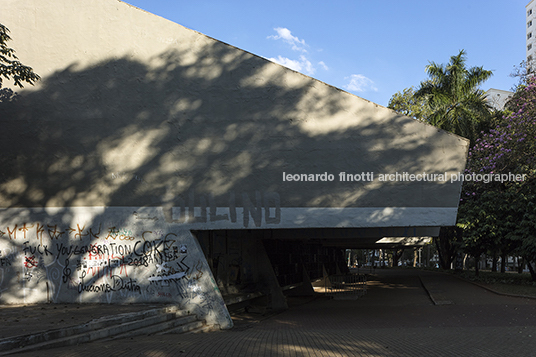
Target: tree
[456, 103]
[10, 66]
[407, 104]
[447, 244]
[500, 212]
[523, 72]
[451, 100]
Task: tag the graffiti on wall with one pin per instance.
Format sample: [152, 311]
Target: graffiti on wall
[96, 263]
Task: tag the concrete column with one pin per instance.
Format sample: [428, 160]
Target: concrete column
[269, 279]
[306, 289]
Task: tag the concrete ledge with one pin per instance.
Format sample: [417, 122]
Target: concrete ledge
[238, 298]
[434, 291]
[292, 286]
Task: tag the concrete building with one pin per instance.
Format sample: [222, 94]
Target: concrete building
[497, 98]
[155, 164]
[531, 30]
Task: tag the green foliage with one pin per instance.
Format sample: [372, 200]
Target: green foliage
[501, 216]
[498, 278]
[447, 244]
[10, 66]
[457, 104]
[407, 104]
[449, 99]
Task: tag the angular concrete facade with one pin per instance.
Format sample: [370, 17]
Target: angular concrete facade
[142, 130]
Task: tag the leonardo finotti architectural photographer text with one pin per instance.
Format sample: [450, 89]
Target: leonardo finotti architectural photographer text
[403, 177]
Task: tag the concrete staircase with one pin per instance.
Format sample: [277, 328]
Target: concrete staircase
[148, 322]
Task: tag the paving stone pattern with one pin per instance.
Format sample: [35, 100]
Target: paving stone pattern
[397, 317]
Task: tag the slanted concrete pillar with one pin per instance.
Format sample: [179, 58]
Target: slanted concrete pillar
[306, 289]
[269, 279]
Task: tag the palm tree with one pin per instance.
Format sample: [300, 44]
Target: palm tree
[456, 102]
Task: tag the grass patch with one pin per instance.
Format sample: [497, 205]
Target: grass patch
[525, 290]
[507, 283]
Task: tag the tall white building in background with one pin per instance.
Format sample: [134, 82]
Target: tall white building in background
[531, 30]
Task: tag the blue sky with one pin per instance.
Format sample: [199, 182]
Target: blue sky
[369, 48]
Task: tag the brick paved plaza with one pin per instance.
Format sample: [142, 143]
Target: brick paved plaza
[395, 318]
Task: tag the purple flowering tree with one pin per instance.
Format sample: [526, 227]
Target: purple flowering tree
[498, 212]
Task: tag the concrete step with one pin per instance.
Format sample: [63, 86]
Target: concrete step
[185, 328]
[96, 324]
[136, 323]
[177, 323]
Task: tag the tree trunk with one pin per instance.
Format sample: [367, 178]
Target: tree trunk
[504, 258]
[439, 253]
[520, 264]
[477, 263]
[445, 245]
[397, 253]
[382, 257]
[494, 264]
[531, 269]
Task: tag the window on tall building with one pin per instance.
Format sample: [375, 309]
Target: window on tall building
[529, 35]
[529, 12]
[529, 24]
[529, 47]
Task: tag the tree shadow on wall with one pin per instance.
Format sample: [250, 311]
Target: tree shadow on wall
[126, 133]
[123, 133]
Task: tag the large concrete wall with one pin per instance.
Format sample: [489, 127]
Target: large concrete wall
[134, 110]
[138, 119]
